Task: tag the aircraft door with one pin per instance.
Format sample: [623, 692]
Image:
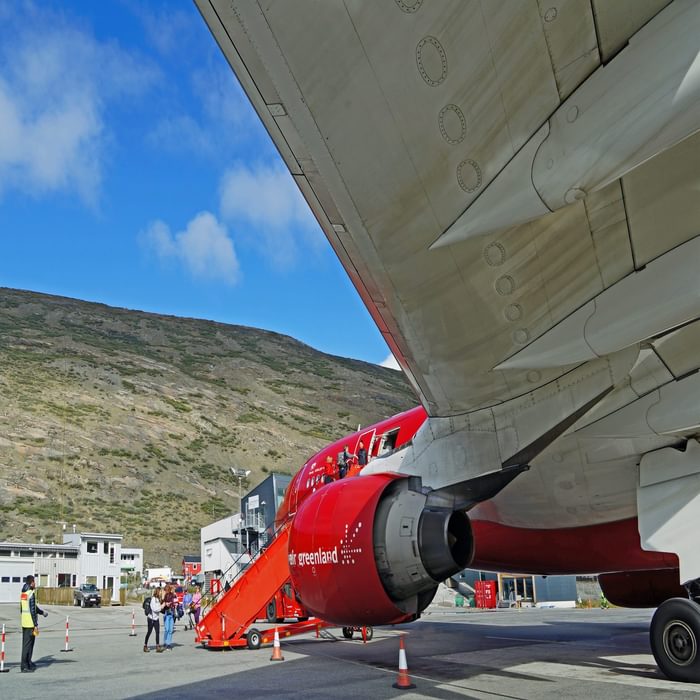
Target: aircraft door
[369, 440]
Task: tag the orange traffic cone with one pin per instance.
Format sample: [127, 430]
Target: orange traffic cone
[276, 649]
[403, 682]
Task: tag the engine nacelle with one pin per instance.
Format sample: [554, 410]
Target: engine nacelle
[367, 550]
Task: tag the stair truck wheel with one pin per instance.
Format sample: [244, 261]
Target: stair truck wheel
[254, 638]
[347, 632]
[674, 634]
[271, 611]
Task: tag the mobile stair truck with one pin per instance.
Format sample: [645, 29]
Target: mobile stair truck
[228, 622]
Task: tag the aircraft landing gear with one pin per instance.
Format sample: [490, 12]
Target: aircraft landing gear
[349, 631]
[675, 636]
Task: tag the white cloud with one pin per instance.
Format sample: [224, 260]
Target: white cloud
[169, 30]
[204, 247]
[216, 119]
[181, 133]
[391, 362]
[266, 199]
[57, 83]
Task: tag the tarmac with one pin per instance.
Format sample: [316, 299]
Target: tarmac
[451, 653]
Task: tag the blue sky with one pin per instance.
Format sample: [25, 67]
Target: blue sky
[134, 172]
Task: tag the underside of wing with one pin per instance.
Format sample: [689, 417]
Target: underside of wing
[502, 181]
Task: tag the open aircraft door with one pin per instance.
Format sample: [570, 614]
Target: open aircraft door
[368, 439]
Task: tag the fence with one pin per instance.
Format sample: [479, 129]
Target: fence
[64, 596]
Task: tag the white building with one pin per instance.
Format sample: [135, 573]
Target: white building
[100, 559]
[131, 560]
[223, 545]
[53, 566]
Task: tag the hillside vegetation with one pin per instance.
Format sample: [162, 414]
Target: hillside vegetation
[122, 421]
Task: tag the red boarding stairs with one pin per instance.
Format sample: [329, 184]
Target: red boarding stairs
[228, 623]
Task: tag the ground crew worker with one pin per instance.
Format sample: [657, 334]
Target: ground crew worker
[30, 624]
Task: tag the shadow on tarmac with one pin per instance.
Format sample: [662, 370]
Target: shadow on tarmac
[355, 670]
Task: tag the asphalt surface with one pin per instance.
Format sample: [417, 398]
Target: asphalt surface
[451, 653]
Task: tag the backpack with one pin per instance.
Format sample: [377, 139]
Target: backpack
[147, 605]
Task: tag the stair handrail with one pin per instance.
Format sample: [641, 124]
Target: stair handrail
[213, 600]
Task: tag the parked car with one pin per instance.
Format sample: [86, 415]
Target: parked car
[87, 595]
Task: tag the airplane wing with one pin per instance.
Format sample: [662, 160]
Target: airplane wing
[499, 179]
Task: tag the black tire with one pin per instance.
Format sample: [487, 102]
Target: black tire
[347, 632]
[271, 611]
[369, 633]
[674, 635]
[254, 638]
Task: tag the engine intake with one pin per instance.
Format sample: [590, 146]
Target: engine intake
[416, 547]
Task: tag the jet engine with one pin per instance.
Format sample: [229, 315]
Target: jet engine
[370, 550]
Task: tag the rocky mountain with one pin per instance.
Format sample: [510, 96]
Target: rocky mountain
[123, 421]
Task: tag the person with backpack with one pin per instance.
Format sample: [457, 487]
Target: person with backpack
[151, 606]
[345, 459]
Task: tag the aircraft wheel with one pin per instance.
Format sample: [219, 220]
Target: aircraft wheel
[369, 633]
[347, 632]
[674, 635]
[254, 638]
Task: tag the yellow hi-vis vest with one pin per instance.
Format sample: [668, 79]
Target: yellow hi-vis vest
[26, 618]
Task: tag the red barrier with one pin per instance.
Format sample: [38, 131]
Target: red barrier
[67, 648]
[2, 653]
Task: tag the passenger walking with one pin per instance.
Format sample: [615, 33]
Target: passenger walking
[169, 606]
[29, 612]
[197, 603]
[187, 606]
[153, 620]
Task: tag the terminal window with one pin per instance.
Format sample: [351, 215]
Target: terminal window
[92, 547]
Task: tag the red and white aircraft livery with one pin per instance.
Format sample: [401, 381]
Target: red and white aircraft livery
[513, 189]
